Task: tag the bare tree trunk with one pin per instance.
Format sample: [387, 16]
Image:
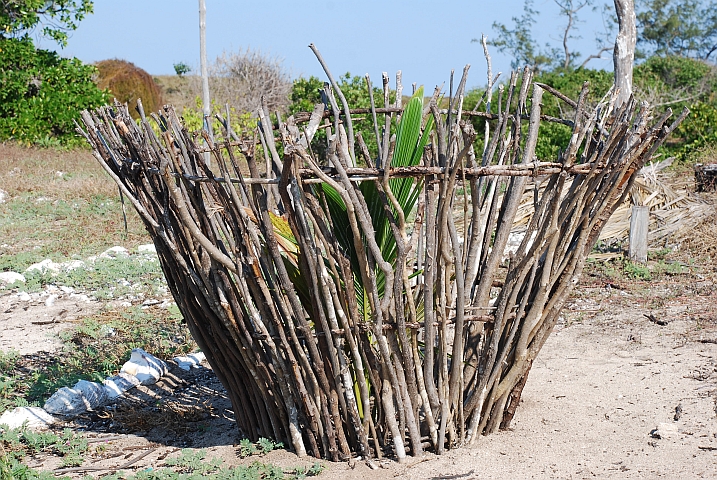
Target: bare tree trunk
[624, 56]
[570, 12]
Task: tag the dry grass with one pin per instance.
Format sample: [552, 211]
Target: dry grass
[700, 243]
[61, 174]
[178, 417]
[179, 91]
[61, 204]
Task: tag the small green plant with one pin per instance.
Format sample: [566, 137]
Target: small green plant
[191, 461]
[636, 271]
[8, 360]
[312, 471]
[247, 448]
[49, 141]
[669, 268]
[261, 447]
[9, 395]
[660, 254]
[16, 443]
[265, 445]
[181, 69]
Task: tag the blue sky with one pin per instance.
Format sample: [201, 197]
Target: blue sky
[424, 39]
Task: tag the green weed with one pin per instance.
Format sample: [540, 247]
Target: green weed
[17, 443]
[247, 448]
[10, 397]
[262, 447]
[265, 445]
[636, 271]
[669, 268]
[193, 464]
[657, 255]
[192, 461]
[8, 361]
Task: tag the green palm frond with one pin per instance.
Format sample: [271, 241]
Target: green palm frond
[410, 143]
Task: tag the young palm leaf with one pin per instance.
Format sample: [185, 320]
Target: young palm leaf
[410, 143]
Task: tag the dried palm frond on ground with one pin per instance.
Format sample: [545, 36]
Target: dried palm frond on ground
[701, 242]
[674, 208]
[346, 315]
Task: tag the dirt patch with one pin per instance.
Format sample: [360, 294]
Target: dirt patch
[607, 377]
[31, 323]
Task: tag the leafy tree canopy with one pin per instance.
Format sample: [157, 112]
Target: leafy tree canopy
[686, 28]
[518, 41]
[43, 93]
[21, 17]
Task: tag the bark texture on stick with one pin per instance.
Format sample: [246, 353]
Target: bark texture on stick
[360, 310]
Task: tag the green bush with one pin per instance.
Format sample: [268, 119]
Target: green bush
[242, 123]
[43, 93]
[698, 131]
[305, 94]
[678, 82]
[675, 72]
[553, 137]
[571, 83]
[673, 82]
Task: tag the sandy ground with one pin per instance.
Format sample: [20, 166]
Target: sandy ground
[607, 377]
[30, 323]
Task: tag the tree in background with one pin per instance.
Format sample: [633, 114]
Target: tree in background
[686, 28]
[678, 40]
[517, 41]
[20, 18]
[42, 93]
[623, 55]
[242, 78]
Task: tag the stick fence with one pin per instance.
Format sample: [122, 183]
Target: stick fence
[372, 310]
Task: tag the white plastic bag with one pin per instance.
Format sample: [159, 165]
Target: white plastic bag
[117, 385]
[146, 367]
[93, 393]
[193, 360]
[76, 400]
[36, 418]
